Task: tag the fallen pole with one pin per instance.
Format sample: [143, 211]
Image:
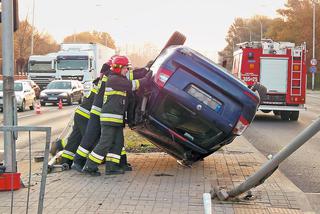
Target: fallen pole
[270, 166]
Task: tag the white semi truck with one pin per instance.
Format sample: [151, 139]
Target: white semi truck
[82, 62]
[41, 69]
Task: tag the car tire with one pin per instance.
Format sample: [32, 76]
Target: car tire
[70, 100]
[42, 103]
[23, 106]
[81, 99]
[261, 89]
[294, 116]
[176, 38]
[33, 104]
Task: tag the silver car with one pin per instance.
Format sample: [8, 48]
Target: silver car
[24, 94]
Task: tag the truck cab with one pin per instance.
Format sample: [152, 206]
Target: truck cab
[41, 69]
[82, 62]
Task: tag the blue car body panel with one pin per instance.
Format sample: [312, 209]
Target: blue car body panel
[180, 123]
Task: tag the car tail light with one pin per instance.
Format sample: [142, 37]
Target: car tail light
[241, 126]
[162, 77]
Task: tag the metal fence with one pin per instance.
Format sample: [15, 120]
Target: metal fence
[47, 130]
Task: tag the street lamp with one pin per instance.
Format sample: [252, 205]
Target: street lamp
[32, 31]
[261, 31]
[313, 37]
[248, 29]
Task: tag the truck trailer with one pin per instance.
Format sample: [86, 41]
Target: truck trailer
[281, 67]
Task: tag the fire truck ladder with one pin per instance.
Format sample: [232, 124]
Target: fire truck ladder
[296, 74]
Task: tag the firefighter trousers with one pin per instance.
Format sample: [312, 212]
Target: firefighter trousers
[110, 144]
[89, 140]
[74, 139]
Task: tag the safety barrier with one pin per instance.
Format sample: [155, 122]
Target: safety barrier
[47, 130]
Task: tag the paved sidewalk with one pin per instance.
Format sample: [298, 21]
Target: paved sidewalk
[159, 185]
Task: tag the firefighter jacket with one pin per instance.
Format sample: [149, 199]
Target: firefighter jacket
[84, 108]
[115, 102]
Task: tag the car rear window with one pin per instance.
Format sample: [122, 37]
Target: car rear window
[185, 123]
[59, 85]
[17, 86]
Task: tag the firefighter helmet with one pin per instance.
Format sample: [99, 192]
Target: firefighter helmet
[109, 62]
[118, 62]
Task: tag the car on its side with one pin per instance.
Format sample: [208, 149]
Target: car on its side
[24, 94]
[193, 106]
[34, 86]
[68, 91]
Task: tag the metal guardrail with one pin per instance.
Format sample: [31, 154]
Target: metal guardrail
[47, 130]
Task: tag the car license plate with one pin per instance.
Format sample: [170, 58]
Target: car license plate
[52, 98]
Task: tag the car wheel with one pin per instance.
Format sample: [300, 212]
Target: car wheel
[23, 106]
[42, 103]
[261, 89]
[33, 104]
[70, 100]
[176, 38]
[294, 115]
[81, 99]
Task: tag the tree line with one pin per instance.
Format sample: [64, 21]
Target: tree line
[294, 24]
[44, 43]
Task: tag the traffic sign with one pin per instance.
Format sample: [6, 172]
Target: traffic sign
[313, 61]
[313, 69]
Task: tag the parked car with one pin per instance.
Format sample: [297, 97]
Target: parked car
[194, 106]
[34, 86]
[68, 91]
[25, 96]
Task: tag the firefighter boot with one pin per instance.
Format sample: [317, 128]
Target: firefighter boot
[113, 168]
[66, 161]
[91, 168]
[78, 163]
[124, 163]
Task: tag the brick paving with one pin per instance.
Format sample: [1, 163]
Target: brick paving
[159, 185]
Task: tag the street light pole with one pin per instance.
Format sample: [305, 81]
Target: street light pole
[261, 31]
[32, 31]
[248, 30]
[313, 38]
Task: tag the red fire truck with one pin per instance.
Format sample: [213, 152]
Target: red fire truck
[281, 67]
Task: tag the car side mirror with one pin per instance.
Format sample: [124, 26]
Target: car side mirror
[74, 87]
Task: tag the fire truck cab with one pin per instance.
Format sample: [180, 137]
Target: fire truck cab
[281, 67]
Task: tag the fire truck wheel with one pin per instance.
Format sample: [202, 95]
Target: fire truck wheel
[294, 115]
[285, 115]
[275, 112]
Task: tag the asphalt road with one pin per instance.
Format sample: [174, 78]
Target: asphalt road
[50, 116]
[269, 134]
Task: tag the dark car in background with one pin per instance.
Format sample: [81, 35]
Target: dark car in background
[193, 106]
[68, 91]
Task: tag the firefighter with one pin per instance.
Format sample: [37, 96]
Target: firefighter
[93, 131]
[81, 117]
[112, 119]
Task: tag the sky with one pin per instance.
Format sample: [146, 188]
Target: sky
[135, 22]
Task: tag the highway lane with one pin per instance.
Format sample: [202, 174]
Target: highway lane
[50, 116]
